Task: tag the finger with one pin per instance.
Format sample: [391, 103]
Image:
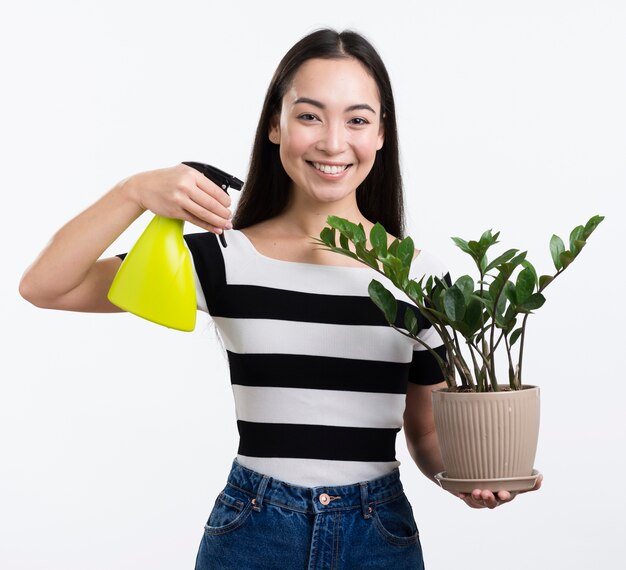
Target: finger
[476, 500]
[189, 217]
[208, 202]
[206, 215]
[504, 496]
[469, 500]
[212, 189]
[486, 498]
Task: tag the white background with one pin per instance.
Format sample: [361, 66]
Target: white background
[116, 434]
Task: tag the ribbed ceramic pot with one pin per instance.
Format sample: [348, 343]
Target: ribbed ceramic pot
[487, 435]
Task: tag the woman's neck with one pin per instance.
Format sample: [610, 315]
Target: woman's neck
[308, 219]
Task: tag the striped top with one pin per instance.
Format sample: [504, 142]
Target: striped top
[318, 376]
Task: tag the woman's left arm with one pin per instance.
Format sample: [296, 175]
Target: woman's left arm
[419, 429]
[423, 445]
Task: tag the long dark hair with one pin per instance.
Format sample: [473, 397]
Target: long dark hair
[266, 193]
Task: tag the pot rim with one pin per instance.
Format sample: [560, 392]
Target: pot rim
[505, 391]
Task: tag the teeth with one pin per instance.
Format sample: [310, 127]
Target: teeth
[328, 169]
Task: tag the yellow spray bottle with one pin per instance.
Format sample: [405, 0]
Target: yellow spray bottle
[155, 280]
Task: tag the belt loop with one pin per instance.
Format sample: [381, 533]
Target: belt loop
[258, 501]
[367, 510]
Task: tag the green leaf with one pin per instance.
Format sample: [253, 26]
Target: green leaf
[327, 235]
[429, 285]
[576, 236]
[533, 302]
[378, 239]
[517, 260]
[392, 269]
[497, 285]
[366, 256]
[556, 248]
[510, 292]
[342, 225]
[358, 236]
[415, 292]
[390, 273]
[525, 284]
[509, 318]
[472, 315]
[487, 239]
[506, 256]
[566, 258]
[410, 321]
[393, 248]
[578, 246]
[528, 265]
[482, 265]
[384, 300]
[462, 244]
[515, 335]
[500, 309]
[406, 251]
[403, 278]
[343, 241]
[439, 283]
[454, 303]
[485, 300]
[545, 280]
[591, 225]
[466, 284]
[476, 249]
[437, 298]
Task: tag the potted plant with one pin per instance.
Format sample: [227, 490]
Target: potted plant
[487, 429]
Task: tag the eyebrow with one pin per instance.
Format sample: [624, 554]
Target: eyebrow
[320, 105]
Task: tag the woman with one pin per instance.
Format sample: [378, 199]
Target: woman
[322, 385]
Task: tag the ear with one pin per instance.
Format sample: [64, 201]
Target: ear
[381, 134]
[274, 132]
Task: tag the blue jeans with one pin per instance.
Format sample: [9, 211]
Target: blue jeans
[259, 522]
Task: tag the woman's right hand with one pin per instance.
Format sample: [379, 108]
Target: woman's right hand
[69, 274]
[184, 193]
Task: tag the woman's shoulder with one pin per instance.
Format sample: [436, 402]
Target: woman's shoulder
[428, 263]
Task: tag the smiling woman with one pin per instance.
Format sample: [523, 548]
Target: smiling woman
[322, 385]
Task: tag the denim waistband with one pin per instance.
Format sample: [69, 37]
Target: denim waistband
[315, 500]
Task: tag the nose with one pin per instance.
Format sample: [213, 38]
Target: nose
[333, 138]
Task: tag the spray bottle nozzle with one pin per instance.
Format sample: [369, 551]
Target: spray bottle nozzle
[217, 176]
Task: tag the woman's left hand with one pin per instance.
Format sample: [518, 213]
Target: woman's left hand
[482, 499]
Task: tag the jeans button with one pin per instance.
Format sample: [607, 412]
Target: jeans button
[324, 499]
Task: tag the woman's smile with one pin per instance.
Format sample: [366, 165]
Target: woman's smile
[332, 171]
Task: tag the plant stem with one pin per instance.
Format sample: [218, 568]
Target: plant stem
[499, 339]
[466, 374]
[479, 382]
[512, 382]
[521, 351]
[443, 365]
[483, 330]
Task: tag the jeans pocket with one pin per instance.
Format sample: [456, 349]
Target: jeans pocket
[232, 508]
[395, 522]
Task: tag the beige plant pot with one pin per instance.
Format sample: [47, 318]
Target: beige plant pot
[487, 439]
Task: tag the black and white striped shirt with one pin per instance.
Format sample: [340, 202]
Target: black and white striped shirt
[318, 376]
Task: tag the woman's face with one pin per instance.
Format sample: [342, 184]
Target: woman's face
[329, 129]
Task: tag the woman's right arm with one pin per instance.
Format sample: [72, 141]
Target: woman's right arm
[68, 273]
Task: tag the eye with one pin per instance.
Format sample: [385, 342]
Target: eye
[307, 117]
[359, 121]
